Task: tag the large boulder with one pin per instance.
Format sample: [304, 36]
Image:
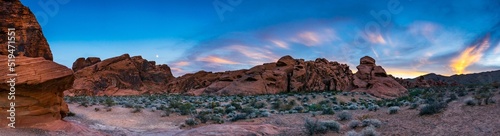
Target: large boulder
[39, 87]
[285, 75]
[28, 33]
[374, 80]
[122, 75]
[82, 62]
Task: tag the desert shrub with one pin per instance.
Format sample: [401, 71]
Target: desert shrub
[352, 107]
[219, 110]
[372, 122]
[191, 122]
[299, 109]
[109, 102]
[344, 115]
[84, 104]
[432, 108]
[393, 109]
[236, 105]
[203, 116]
[96, 109]
[230, 109]
[453, 97]
[248, 110]
[328, 111]
[413, 105]
[259, 105]
[128, 105]
[369, 131]
[470, 101]
[373, 107]
[352, 133]
[265, 114]
[314, 127]
[136, 110]
[218, 119]
[354, 124]
[315, 107]
[331, 125]
[186, 108]
[240, 116]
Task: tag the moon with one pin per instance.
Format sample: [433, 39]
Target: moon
[157, 56]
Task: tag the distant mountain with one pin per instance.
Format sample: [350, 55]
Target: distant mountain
[467, 79]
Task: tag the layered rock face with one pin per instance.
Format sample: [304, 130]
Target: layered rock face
[40, 83]
[374, 80]
[29, 36]
[122, 75]
[286, 75]
[38, 91]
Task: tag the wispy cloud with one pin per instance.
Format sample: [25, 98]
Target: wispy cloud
[216, 60]
[470, 56]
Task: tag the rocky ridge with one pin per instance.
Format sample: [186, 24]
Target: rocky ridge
[131, 76]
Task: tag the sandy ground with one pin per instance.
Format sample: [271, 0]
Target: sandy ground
[458, 119]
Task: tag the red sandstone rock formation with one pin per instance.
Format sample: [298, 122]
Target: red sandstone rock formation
[82, 62]
[38, 91]
[29, 36]
[122, 75]
[374, 80]
[286, 75]
[40, 82]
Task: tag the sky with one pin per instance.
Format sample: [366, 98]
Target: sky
[407, 38]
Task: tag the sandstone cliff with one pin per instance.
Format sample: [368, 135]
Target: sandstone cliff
[285, 75]
[122, 75]
[40, 83]
[29, 36]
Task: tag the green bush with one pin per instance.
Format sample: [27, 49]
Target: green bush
[328, 111]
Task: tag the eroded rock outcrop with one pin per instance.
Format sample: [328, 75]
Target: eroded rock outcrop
[82, 62]
[122, 75]
[40, 82]
[28, 33]
[374, 80]
[285, 75]
[38, 90]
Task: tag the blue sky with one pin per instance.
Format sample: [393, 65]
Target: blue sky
[407, 37]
